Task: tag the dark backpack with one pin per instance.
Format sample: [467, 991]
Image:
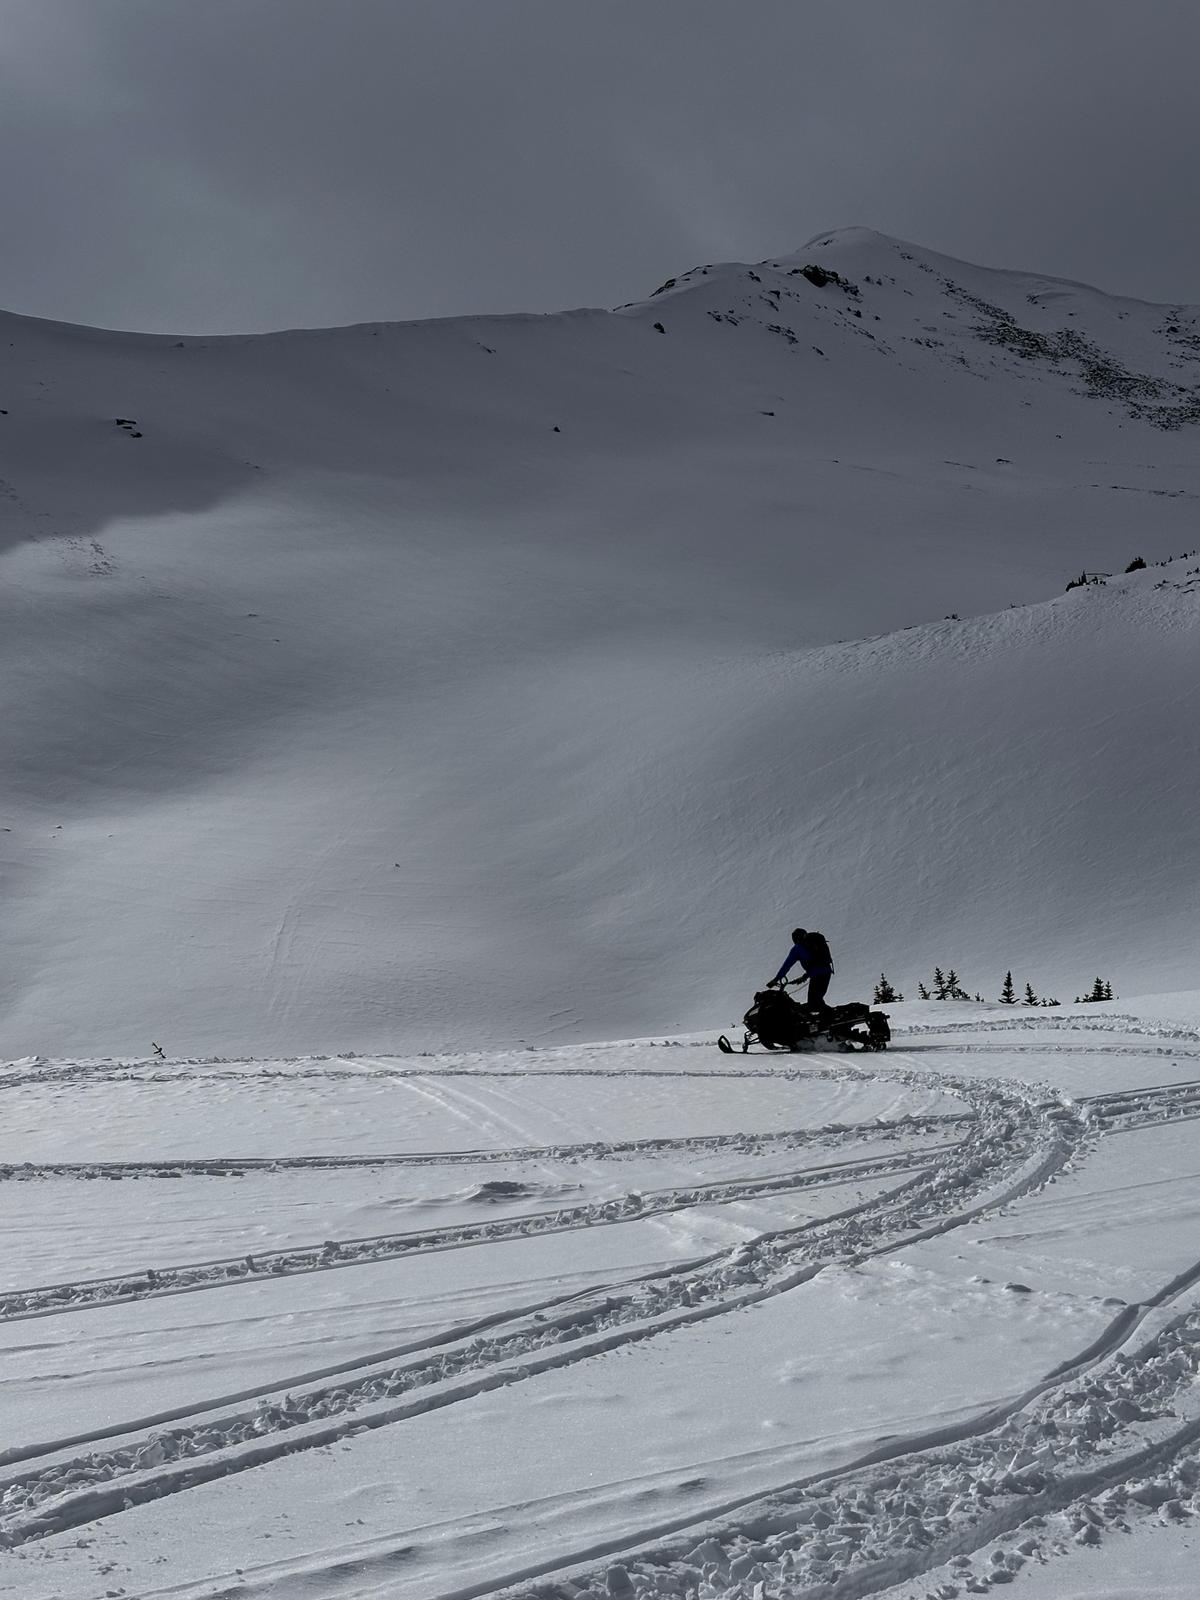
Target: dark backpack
[818, 949]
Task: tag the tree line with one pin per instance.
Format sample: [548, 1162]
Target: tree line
[947, 986]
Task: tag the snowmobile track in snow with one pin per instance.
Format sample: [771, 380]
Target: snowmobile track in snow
[922, 1501]
[593, 1150]
[1016, 1143]
[1132, 1109]
[1042, 1021]
[82, 1295]
[15, 1076]
[1017, 1137]
[605, 1317]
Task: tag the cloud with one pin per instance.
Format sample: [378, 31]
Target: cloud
[264, 163]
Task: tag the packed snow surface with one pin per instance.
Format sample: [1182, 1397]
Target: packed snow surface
[526, 679]
[637, 1320]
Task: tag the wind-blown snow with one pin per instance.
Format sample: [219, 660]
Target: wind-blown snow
[479, 681]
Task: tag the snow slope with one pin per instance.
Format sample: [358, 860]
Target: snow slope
[921, 1323]
[480, 680]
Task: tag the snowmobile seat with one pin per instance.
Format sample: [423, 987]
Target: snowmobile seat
[852, 1011]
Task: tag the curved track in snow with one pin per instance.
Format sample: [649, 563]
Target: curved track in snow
[77, 1296]
[1072, 1448]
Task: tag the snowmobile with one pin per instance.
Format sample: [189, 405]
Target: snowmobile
[777, 1022]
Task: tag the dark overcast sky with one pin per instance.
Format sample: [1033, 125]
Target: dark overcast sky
[216, 165]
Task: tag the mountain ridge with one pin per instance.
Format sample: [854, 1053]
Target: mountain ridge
[845, 241]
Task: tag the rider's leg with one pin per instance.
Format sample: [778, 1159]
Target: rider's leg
[817, 986]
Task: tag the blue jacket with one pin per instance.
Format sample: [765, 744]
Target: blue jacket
[812, 967]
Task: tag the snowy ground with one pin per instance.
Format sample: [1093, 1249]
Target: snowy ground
[468, 690]
[634, 1319]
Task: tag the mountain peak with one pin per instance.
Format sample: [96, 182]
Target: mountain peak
[855, 235]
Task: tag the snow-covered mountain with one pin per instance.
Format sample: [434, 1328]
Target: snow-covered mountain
[523, 678]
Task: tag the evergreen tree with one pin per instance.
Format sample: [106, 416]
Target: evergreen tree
[923, 991]
[939, 983]
[1108, 994]
[1008, 994]
[1030, 998]
[954, 989]
[1097, 991]
[885, 995]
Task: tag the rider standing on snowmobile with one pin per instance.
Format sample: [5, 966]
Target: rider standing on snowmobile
[812, 952]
